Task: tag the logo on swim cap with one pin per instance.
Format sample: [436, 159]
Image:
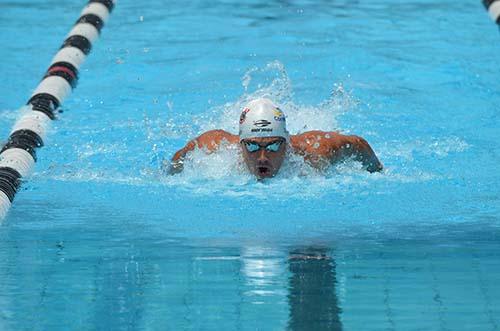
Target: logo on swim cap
[261, 123]
[278, 115]
[262, 118]
[243, 115]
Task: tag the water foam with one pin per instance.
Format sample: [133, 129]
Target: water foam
[224, 172]
[272, 81]
[429, 146]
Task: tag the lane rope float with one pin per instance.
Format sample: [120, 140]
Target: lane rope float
[493, 7]
[18, 155]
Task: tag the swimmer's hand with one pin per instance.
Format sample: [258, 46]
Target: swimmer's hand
[375, 166]
[176, 165]
[363, 152]
[173, 167]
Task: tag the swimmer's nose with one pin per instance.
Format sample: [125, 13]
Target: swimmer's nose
[262, 157]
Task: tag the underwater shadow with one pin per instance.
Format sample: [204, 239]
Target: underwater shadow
[312, 294]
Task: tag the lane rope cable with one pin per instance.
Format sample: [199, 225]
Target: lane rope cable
[18, 155]
[493, 8]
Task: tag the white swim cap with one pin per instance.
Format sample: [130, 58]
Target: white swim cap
[262, 118]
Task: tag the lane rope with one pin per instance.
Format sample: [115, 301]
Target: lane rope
[493, 7]
[18, 155]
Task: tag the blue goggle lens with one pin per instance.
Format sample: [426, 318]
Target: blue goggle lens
[254, 147]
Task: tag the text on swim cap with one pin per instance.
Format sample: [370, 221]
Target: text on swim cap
[262, 130]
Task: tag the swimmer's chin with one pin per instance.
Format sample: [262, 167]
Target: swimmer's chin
[261, 179]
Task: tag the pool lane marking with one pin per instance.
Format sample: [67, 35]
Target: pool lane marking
[495, 12]
[101, 9]
[4, 203]
[493, 7]
[18, 159]
[18, 155]
[71, 55]
[56, 86]
[86, 30]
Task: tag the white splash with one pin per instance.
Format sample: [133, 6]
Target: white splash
[433, 146]
[277, 86]
[224, 173]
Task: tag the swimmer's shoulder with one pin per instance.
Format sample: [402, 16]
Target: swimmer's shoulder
[214, 138]
[316, 141]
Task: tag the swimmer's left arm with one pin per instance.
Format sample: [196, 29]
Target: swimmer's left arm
[359, 148]
[343, 147]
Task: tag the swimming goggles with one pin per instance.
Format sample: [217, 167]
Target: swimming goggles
[271, 147]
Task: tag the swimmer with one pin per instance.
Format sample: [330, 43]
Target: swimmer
[264, 142]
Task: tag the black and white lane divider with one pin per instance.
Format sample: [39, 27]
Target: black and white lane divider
[18, 155]
[493, 7]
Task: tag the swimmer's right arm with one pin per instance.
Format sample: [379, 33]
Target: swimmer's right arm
[177, 163]
[209, 140]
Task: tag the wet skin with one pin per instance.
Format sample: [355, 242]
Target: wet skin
[318, 148]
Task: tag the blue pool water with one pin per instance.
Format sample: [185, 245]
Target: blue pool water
[99, 239]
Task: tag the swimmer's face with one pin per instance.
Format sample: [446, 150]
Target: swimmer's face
[263, 156]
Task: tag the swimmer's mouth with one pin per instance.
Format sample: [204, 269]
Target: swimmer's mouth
[263, 172]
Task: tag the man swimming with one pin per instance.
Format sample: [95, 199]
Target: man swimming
[264, 143]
